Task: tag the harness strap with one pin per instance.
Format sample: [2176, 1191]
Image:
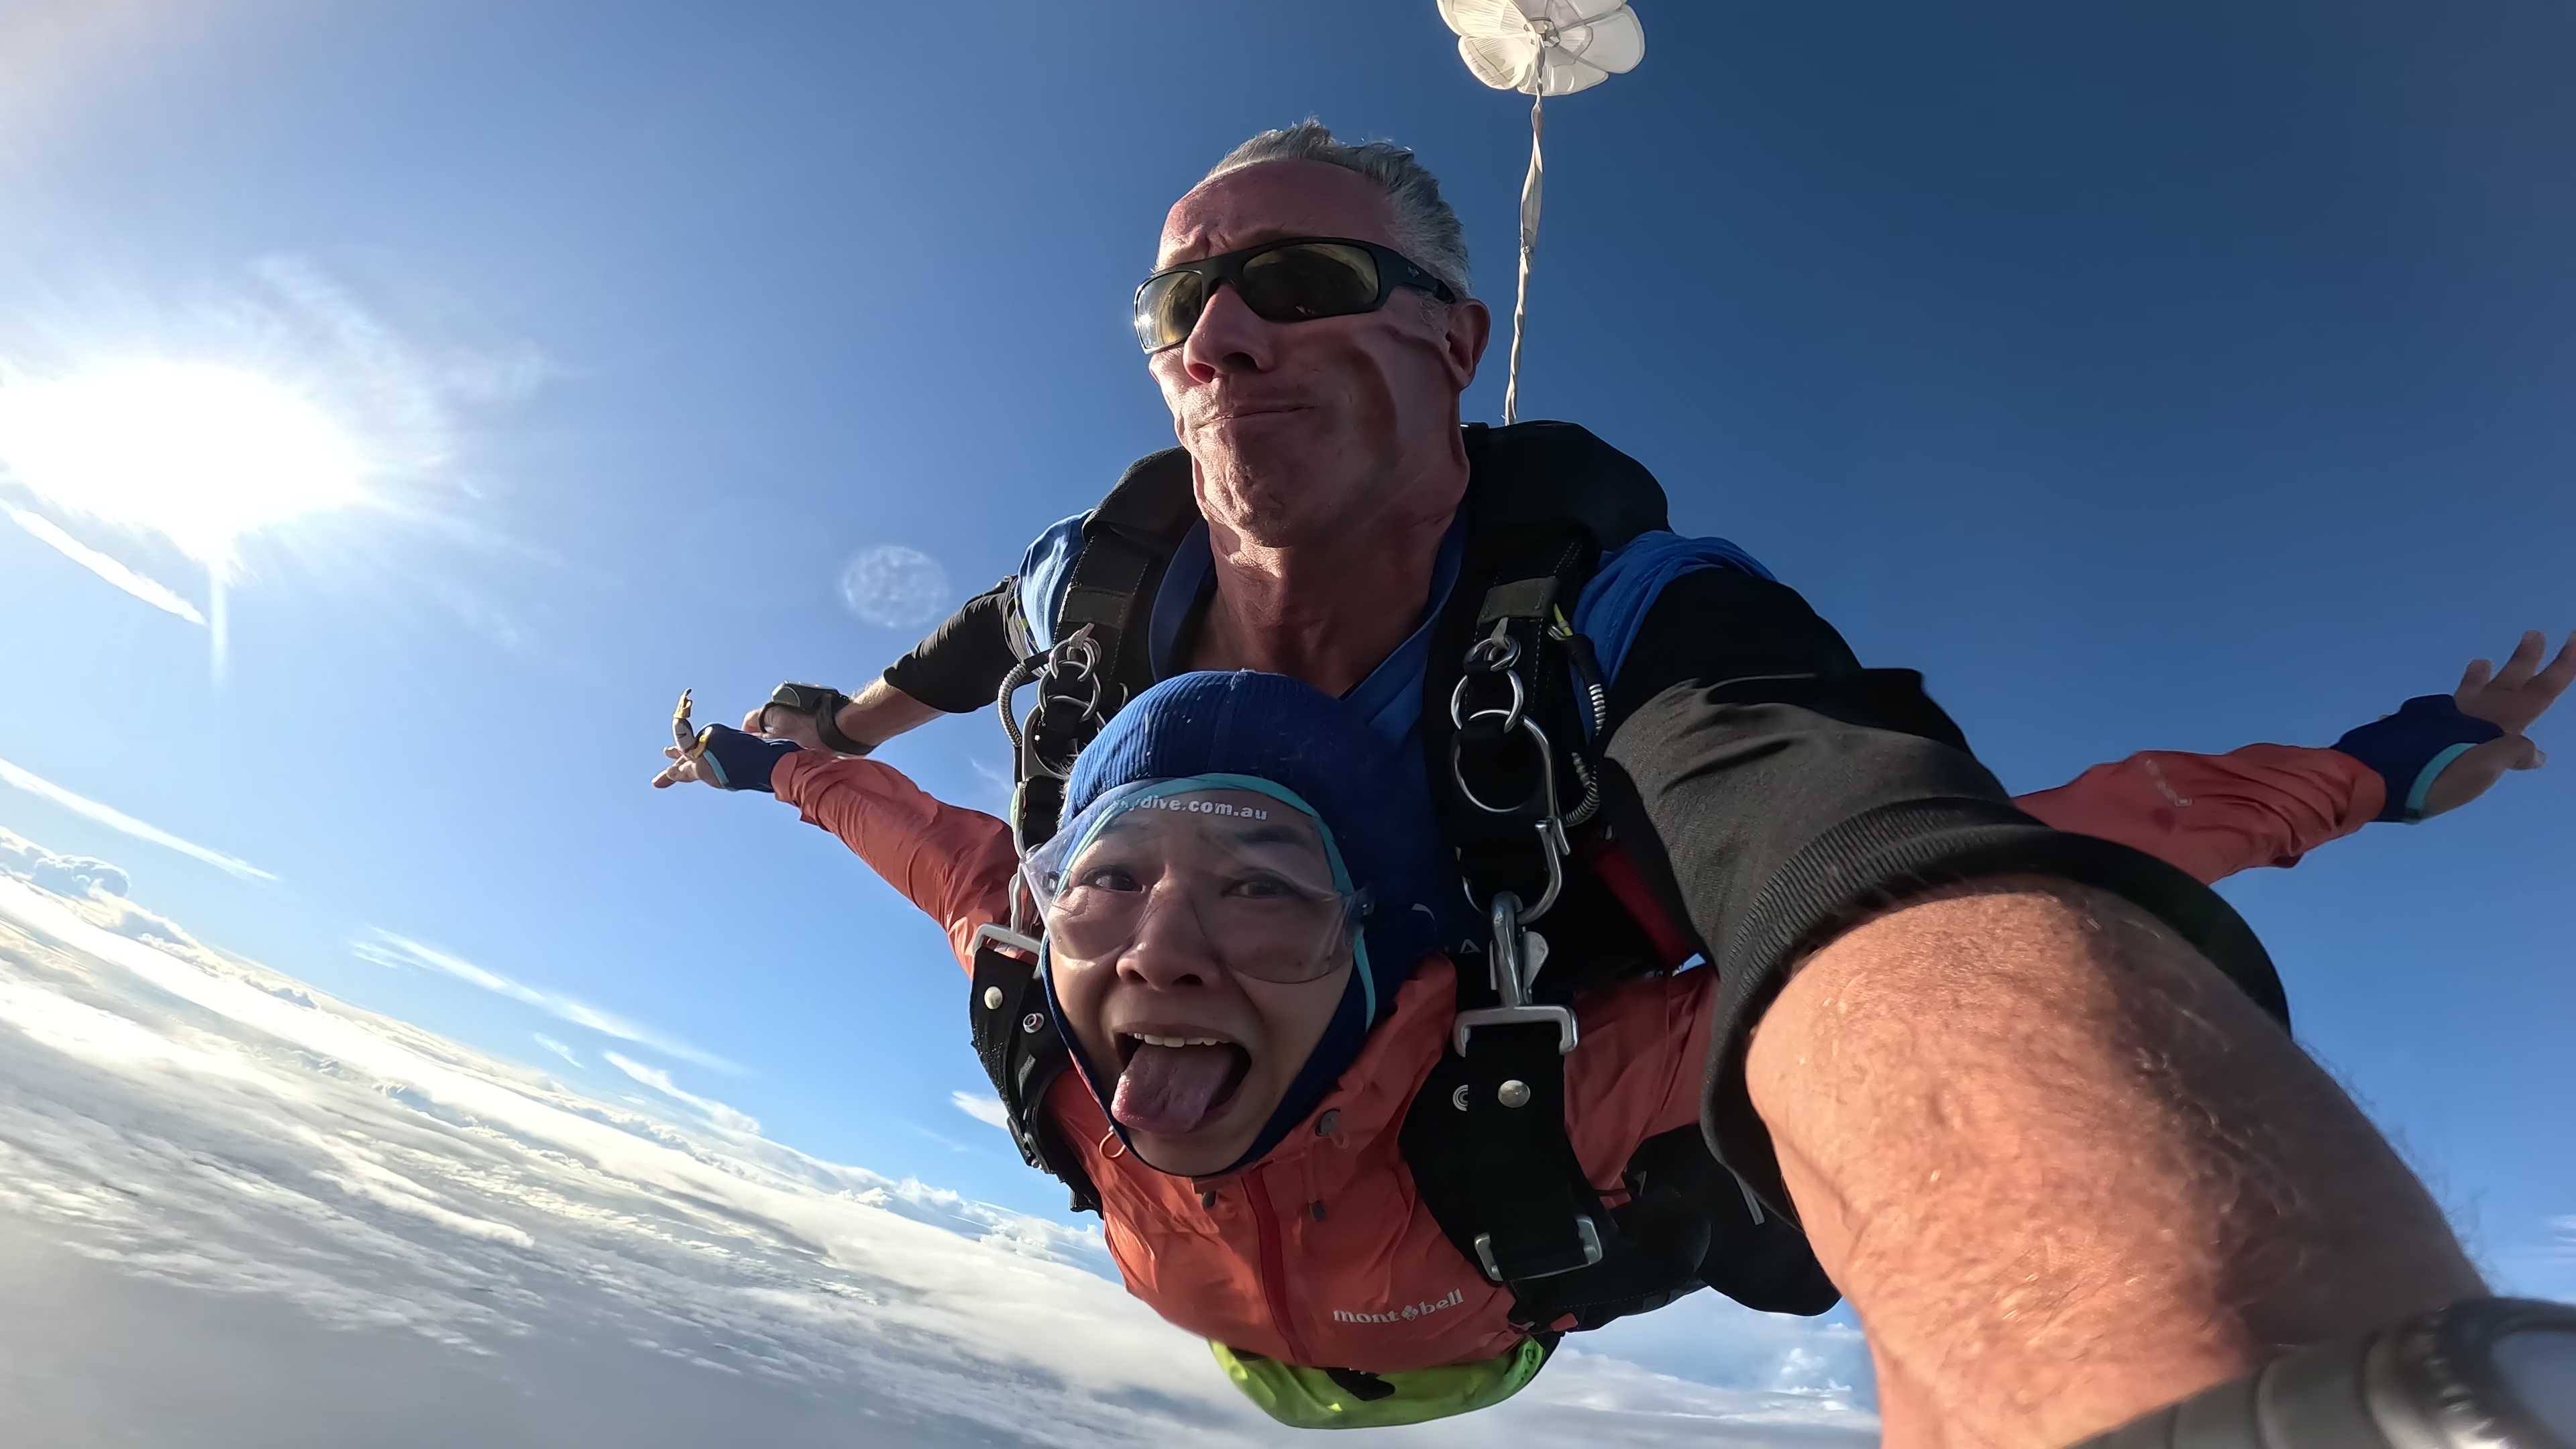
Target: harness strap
[1127, 543]
[1487, 1147]
[1022, 1053]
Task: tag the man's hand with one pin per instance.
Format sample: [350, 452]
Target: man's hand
[2513, 700]
[771, 722]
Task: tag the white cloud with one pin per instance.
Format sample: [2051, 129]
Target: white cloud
[118, 820]
[983, 1107]
[558, 1048]
[660, 1081]
[159, 595]
[326, 1226]
[64, 875]
[394, 951]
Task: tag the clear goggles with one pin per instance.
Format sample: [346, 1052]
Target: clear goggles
[1236, 873]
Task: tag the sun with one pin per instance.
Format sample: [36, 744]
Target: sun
[201, 453]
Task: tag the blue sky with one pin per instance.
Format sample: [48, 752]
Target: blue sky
[2177, 378]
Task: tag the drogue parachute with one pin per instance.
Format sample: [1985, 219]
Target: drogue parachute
[1541, 48]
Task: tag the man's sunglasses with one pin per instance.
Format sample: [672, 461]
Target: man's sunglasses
[1297, 280]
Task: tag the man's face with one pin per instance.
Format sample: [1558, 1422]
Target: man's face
[1302, 430]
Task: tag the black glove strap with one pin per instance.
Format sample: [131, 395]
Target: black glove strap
[822, 704]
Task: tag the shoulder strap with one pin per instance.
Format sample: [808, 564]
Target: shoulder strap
[1016, 1039]
[1508, 698]
[1127, 543]
[1544, 501]
[1102, 655]
[1554, 475]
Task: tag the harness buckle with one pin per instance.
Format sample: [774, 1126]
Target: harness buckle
[1001, 935]
[1588, 1247]
[1513, 973]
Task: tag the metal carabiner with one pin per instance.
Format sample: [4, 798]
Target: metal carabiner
[1072, 661]
[1511, 981]
[1496, 653]
[1552, 847]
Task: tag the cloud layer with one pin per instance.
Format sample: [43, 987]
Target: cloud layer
[660, 1081]
[322, 1226]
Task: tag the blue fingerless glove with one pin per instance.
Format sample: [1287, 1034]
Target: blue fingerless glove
[741, 761]
[2412, 746]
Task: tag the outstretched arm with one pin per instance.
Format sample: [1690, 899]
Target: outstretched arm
[954, 863]
[2022, 1086]
[956, 668]
[2215, 815]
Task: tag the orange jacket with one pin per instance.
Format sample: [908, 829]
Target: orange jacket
[1320, 1254]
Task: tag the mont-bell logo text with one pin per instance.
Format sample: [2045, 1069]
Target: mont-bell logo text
[1406, 1314]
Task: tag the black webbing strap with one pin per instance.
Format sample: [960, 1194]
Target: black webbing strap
[1494, 828]
[1508, 1191]
[1127, 542]
[1501, 1179]
[1022, 1053]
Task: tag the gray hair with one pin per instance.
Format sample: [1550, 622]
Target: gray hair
[1424, 228]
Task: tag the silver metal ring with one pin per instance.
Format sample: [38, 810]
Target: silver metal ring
[1546, 762]
[1504, 649]
[1512, 717]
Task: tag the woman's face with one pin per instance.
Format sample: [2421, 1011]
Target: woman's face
[1199, 949]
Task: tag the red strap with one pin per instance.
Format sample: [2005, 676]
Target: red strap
[1610, 862]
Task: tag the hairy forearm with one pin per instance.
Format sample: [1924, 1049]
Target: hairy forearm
[2066, 1172]
[880, 712]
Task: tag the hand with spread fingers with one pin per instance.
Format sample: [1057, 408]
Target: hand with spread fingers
[728, 759]
[724, 757]
[2512, 699]
[2438, 752]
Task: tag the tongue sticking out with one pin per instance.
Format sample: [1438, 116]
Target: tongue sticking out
[1167, 1090]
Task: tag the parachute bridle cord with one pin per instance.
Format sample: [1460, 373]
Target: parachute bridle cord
[1529, 246]
[1541, 48]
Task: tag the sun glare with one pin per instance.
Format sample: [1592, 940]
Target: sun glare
[200, 453]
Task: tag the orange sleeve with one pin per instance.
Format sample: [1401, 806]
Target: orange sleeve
[2214, 815]
[954, 863]
[1637, 1073]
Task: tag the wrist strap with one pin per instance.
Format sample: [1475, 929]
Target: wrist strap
[822, 704]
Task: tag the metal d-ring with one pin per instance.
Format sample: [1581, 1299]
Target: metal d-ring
[1527, 726]
[1513, 718]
